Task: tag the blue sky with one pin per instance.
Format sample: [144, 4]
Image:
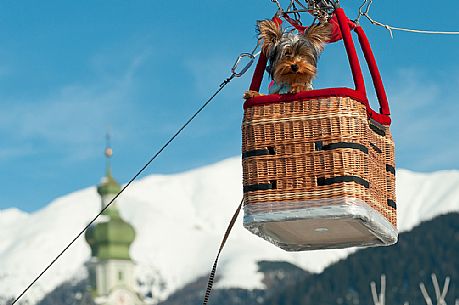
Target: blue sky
[71, 70]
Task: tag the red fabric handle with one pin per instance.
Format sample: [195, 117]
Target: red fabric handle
[258, 74]
[357, 75]
[374, 71]
[383, 116]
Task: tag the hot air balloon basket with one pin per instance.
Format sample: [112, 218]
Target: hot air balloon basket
[318, 173]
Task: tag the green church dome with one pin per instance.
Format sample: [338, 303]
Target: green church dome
[111, 237]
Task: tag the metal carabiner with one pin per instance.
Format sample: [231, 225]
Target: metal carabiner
[247, 66]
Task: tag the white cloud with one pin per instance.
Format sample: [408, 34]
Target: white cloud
[425, 115]
[74, 118]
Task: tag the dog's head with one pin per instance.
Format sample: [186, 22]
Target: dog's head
[292, 57]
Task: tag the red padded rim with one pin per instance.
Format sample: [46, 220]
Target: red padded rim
[315, 94]
[305, 95]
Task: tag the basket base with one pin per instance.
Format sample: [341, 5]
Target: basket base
[312, 225]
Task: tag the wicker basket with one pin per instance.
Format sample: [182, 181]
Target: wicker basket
[318, 166]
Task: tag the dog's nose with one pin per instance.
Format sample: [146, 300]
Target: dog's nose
[294, 67]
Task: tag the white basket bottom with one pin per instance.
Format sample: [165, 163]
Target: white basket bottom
[320, 224]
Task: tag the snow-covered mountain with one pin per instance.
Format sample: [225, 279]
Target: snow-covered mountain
[180, 220]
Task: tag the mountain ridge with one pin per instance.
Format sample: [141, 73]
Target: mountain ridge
[431, 247]
[195, 207]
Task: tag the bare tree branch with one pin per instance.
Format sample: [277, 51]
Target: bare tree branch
[425, 294]
[440, 294]
[373, 293]
[382, 296]
[445, 290]
[436, 285]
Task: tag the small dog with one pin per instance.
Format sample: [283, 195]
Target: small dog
[292, 57]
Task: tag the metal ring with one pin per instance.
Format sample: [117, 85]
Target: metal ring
[247, 66]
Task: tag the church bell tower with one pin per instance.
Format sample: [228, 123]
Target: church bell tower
[111, 269]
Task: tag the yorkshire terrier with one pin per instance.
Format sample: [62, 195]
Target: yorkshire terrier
[292, 57]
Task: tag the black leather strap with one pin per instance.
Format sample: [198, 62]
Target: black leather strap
[390, 169]
[362, 148]
[258, 152]
[321, 181]
[378, 128]
[376, 148]
[260, 187]
[392, 203]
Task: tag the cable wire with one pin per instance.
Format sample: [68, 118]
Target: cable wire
[222, 85]
[364, 11]
[393, 28]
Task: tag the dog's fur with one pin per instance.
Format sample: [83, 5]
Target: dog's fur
[292, 57]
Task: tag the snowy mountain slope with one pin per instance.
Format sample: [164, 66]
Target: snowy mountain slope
[180, 221]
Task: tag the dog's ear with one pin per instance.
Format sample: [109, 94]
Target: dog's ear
[270, 32]
[318, 35]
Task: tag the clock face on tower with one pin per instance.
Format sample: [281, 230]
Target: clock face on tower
[121, 296]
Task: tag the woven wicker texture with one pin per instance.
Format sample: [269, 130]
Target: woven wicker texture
[293, 150]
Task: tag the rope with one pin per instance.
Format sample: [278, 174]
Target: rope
[210, 282]
[364, 10]
[222, 85]
[393, 28]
